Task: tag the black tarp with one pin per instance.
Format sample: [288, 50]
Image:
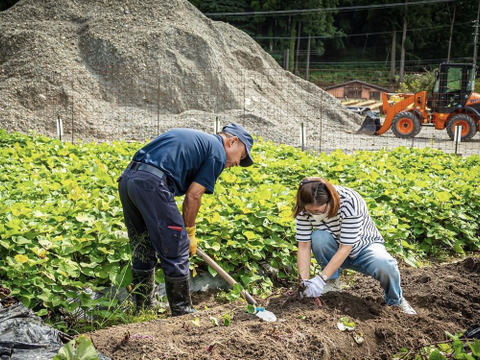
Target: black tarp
[24, 335]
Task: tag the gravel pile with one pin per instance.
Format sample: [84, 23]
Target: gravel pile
[129, 69]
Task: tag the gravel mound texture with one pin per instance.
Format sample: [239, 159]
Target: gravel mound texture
[129, 69]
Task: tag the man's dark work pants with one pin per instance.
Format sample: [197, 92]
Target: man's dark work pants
[154, 223]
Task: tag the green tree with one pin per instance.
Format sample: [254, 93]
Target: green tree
[374, 32]
[286, 31]
[277, 32]
[227, 6]
[5, 4]
[428, 29]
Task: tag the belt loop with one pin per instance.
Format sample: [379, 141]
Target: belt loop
[133, 165]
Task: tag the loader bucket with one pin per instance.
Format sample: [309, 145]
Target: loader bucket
[370, 125]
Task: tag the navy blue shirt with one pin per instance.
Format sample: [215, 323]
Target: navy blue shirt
[185, 156]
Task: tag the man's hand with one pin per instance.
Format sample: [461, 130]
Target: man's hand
[191, 230]
[313, 287]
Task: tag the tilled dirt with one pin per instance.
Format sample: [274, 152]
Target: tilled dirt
[446, 297]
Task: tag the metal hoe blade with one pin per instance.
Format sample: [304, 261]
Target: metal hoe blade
[260, 312]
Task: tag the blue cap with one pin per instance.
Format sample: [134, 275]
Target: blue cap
[245, 137]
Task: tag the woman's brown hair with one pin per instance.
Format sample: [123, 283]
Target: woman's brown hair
[316, 191]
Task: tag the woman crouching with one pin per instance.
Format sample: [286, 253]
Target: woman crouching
[333, 222]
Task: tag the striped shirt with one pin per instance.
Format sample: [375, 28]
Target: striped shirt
[351, 226]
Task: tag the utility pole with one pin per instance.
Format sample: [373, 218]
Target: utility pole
[307, 71]
[393, 57]
[298, 47]
[476, 37]
[402, 50]
[451, 32]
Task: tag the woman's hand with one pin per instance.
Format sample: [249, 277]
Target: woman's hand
[313, 287]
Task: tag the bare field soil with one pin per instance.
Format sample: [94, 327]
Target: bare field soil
[446, 297]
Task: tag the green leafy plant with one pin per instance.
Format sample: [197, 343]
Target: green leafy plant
[214, 321]
[418, 82]
[196, 321]
[77, 349]
[226, 318]
[345, 323]
[456, 348]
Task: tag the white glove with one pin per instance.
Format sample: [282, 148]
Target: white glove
[313, 287]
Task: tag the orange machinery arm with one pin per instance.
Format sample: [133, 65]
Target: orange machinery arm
[391, 110]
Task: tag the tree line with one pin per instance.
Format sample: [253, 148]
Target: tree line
[5, 4]
[394, 36]
[399, 35]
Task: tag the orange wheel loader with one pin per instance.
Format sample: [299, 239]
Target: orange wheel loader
[451, 103]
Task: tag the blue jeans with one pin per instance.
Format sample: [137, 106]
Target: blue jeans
[373, 260]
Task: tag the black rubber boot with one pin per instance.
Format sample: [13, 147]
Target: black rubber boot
[144, 289]
[178, 294]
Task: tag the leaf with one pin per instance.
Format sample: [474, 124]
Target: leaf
[41, 253]
[85, 349]
[196, 321]
[214, 320]
[124, 277]
[444, 347]
[443, 196]
[344, 323]
[458, 248]
[22, 259]
[249, 235]
[226, 319]
[212, 271]
[42, 312]
[66, 352]
[245, 279]
[215, 218]
[475, 347]
[214, 247]
[436, 355]
[411, 260]
[85, 218]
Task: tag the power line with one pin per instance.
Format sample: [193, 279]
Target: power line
[341, 35]
[338, 9]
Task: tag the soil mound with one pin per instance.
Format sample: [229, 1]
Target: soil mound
[446, 298]
[132, 68]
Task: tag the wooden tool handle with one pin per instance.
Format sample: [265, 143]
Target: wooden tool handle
[231, 281]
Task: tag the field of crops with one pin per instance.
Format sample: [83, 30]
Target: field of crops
[61, 220]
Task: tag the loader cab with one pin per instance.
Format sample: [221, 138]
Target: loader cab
[453, 86]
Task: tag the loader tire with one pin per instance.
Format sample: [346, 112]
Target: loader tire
[406, 125]
[469, 128]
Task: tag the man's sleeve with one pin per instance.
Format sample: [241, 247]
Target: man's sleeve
[209, 173]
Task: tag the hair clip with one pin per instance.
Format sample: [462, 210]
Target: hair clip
[303, 182]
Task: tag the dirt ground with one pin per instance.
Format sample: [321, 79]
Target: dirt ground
[446, 298]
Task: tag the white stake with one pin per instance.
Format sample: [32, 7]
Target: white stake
[457, 136]
[59, 128]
